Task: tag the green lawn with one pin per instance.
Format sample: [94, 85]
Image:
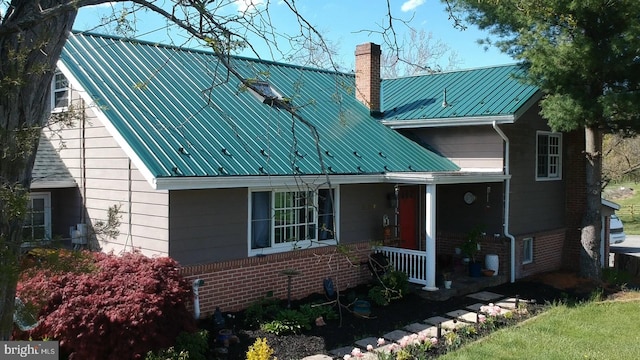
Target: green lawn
[594, 330]
[630, 205]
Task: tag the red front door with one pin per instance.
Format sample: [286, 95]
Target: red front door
[407, 210]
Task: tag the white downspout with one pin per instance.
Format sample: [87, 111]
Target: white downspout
[507, 201]
[196, 297]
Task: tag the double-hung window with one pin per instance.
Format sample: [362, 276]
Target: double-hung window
[37, 223]
[59, 93]
[283, 220]
[549, 156]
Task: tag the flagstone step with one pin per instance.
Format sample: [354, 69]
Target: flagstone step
[449, 321]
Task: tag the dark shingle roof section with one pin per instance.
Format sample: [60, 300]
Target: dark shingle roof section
[48, 170]
[185, 115]
[484, 92]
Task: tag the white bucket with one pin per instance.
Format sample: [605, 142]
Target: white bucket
[492, 262]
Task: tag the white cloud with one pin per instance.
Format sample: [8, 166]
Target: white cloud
[411, 5]
[248, 5]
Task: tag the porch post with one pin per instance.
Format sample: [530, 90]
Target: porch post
[430, 229]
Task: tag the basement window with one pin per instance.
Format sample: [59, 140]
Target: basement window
[527, 251]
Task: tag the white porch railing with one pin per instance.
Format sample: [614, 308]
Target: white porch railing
[411, 262]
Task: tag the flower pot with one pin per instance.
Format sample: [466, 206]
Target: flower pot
[492, 262]
[362, 308]
[447, 284]
[475, 269]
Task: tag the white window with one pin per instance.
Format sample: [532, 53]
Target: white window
[59, 93]
[37, 224]
[527, 251]
[549, 156]
[283, 220]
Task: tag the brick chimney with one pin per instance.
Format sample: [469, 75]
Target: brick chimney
[368, 75]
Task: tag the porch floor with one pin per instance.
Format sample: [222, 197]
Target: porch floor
[462, 285]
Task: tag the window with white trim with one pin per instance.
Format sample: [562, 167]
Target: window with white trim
[527, 250]
[37, 223]
[549, 156]
[59, 92]
[282, 220]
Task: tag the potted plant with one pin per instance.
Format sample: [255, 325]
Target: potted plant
[446, 276]
[470, 249]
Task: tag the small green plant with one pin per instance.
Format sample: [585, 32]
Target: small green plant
[393, 286]
[260, 350]
[452, 339]
[194, 344]
[615, 276]
[167, 354]
[281, 327]
[471, 246]
[189, 346]
[264, 309]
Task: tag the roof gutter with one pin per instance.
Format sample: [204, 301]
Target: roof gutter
[450, 121]
[507, 201]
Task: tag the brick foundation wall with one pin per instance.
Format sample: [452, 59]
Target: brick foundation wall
[548, 250]
[547, 253]
[234, 285]
[489, 244]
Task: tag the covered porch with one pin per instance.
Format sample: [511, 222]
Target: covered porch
[432, 221]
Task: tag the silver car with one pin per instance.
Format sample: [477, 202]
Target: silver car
[616, 230]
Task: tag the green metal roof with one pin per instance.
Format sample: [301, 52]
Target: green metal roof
[477, 93]
[183, 115]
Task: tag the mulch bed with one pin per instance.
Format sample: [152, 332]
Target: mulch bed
[411, 308]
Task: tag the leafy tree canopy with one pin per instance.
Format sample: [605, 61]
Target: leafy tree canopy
[584, 54]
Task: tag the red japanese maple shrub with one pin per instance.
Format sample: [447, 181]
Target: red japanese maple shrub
[116, 307]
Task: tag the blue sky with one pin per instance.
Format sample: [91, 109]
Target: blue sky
[342, 22]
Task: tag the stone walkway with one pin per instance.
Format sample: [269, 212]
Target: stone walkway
[429, 327]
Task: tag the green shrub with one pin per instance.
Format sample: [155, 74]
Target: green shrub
[167, 354]
[189, 346]
[615, 276]
[262, 310]
[393, 286]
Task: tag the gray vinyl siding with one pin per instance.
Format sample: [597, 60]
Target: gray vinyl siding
[211, 225]
[208, 225]
[453, 215]
[362, 207]
[470, 147]
[535, 205]
[106, 177]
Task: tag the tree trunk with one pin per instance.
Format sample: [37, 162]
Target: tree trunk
[25, 77]
[590, 238]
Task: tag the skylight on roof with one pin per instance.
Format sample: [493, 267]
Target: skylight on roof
[267, 94]
[266, 90]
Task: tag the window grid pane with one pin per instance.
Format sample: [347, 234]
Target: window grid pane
[60, 91]
[548, 156]
[35, 225]
[295, 216]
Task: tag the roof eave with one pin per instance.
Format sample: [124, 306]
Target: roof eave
[448, 122]
[53, 184]
[228, 182]
[453, 177]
